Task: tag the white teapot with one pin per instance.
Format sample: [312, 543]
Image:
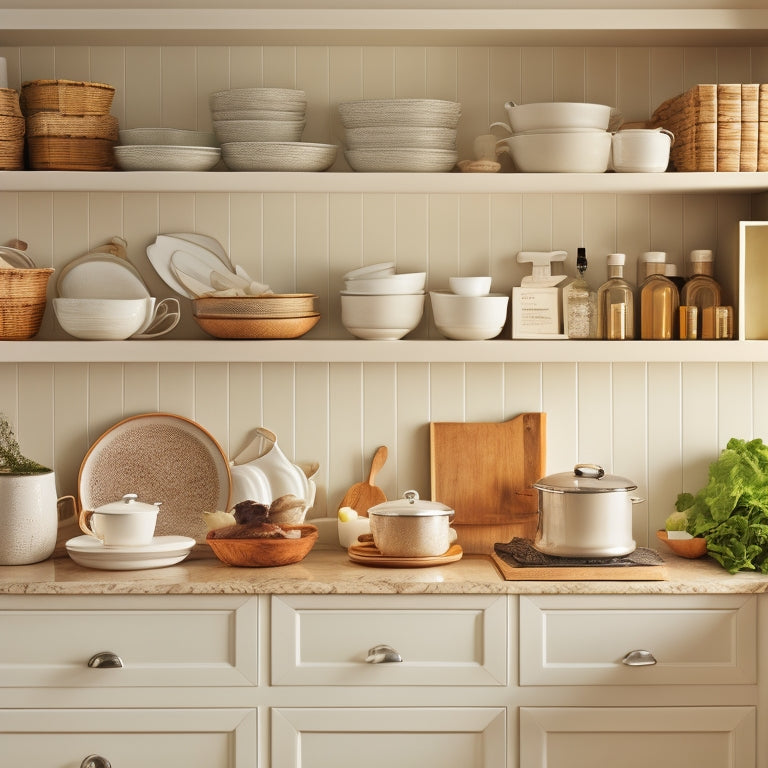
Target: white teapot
[262, 472]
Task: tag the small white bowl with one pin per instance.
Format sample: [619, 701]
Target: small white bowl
[577, 152]
[470, 286]
[469, 317]
[557, 116]
[372, 270]
[404, 282]
[382, 316]
[102, 319]
[258, 130]
[177, 137]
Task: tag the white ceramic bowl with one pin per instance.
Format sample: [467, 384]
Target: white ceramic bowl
[384, 316]
[278, 156]
[577, 152]
[148, 157]
[557, 116]
[257, 114]
[470, 286]
[258, 130]
[285, 99]
[101, 319]
[469, 317]
[434, 113]
[168, 137]
[401, 160]
[415, 137]
[372, 270]
[404, 282]
[641, 150]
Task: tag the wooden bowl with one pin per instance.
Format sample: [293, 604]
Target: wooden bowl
[690, 548]
[263, 553]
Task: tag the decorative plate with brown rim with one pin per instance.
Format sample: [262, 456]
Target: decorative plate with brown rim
[160, 457]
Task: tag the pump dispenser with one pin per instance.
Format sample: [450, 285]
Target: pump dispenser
[580, 304]
[536, 303]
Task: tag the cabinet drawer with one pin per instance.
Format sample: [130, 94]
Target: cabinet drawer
[442, 640]
[584, 640]
[162, 641]
[455, 737]
[637, 737]
[140, 738]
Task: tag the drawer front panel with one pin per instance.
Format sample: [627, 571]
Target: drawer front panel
[162, 641]
[586, 639]
[442, 640]
[454, 737]
[637, 737]
[193, 738]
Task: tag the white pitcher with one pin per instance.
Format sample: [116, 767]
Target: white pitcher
[28, 518]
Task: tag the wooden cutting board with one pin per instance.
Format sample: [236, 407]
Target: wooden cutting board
[485, 471]
[579, 572]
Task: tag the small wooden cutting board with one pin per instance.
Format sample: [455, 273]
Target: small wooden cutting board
[579, 572]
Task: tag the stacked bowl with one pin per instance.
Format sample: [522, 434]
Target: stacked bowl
[166, 149]
[379, 304]
[557, 137]
[260, 129]
[400, 134]
[468, 311]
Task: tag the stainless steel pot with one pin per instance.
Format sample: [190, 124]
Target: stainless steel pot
[585, 513]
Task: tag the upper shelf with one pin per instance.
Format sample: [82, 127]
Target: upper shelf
[452, 183]
[383, 25]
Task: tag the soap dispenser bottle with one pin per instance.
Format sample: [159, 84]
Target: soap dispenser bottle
[536, 303]
[580, 304]
[615, 302]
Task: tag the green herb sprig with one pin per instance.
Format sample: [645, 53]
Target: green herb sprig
[12, 462]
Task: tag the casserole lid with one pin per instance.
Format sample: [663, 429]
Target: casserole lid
[410, 506]
[585, 478]
[129, 504]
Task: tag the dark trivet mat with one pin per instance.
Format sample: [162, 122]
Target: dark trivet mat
[521, 552]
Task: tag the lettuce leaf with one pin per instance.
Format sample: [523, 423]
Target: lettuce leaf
[731, 511]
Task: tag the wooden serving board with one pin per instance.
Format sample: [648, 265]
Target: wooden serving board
[579, 572]
[366, 553]
[485, 472]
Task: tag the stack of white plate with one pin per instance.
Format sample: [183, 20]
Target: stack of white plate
[260, 129]
[400, 134]
[166, 149]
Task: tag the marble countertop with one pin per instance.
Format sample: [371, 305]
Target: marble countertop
[329, 571]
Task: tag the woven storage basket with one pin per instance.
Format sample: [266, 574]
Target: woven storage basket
[12, 155]
[71, 142]
[9, 102]
[67, 97]
[22, 301]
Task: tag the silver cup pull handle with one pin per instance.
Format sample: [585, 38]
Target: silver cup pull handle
[105, 660]
[95, 761]
[383, 654]
[639, 659]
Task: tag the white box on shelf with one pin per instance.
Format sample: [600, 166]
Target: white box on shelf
[753, 279]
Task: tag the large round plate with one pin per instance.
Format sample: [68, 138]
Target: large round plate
[163, 551]
[160, 457]
[100, 276]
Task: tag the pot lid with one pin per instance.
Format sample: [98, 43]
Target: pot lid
[410, 506]
[127, 505]
[585, 478]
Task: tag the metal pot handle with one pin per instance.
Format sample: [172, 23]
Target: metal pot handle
[588, 470]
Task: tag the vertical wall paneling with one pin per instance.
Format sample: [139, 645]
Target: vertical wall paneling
[485, 392]
[410, 72]
[560, 401]
[70, 412]
[141, 387]
[633, 84]
[522, 389]
[312, 77]
[595, 425]
[734, 402]
[447, 392]
[313, 424]
[211, 386]
[700, 439]
[246, 68]
[345, 429]
[36, 411]
[379, 384]
[143, 87]
[244, 400]
[176, 390]
[412, 419]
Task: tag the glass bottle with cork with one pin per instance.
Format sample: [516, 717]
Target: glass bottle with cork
[703, 292]
[659, 301]
[615, 302]
[581, 303]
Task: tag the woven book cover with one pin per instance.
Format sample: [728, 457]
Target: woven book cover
[749, 112]
[762, 128]
[728, 126]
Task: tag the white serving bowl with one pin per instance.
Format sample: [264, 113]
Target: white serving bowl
[383, 316]
[433, 113]
[257, 114]
[404, 282]
[469, 317]
[641, 150]
[557, 117]
[470, 286]
[278, 156]
[102, 319]
[177, 137]
[401, 160]
[577, 152]
[372, 270]
[258, 130]
[388, 136]
[285, 99]
[148, 157]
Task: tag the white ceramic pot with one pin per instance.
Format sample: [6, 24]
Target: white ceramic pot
[576, 152]
[585, 513]
[411, 527]
[641, 150]
[28, 518]
[124, 523]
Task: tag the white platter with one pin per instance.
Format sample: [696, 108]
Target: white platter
[164, 458]
[161, 252]
[163, 551]
[100, 276]
[156, 157]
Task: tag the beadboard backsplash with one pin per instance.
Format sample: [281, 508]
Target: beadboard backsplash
[659, 424]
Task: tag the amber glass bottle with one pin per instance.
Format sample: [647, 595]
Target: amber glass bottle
[615, 302]
[659, 302]
[702, 290]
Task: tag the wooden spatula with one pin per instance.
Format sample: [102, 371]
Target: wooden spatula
[362, 496]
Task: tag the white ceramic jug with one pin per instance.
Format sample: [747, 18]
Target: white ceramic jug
[28, 518]
[262, 472]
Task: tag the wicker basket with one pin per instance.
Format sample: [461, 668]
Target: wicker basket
[9, 102]
[71, 142]
[22, 301]
[67, 97]
[12, 155]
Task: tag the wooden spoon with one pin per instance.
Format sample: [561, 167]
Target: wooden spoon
[362, 496]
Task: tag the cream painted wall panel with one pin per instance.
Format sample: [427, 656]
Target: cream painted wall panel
[35, 411]
[345, 432]
[73, 62]
[733, 65]
[36, 225]
[143, 87]
[279, 66]
[410, 73]
[536, 227]
[629, 430]
[179, 86]
[104, 217]
[666, 76]
[107, 65]
[246, 246]
[633, 84]
[666, 227]
[504, 82]
[177, 389]
[700, 221]
[105, 397]
[759, 401]
[345, 250]
[567, 227]
[211, 383]
[570, 74]
[379, 384]
[485, 392]
[442, 64]
[37, 62]
[9, 393]
[700, 66]
[9, 221]
[278, 242]
[444, 237]
[211, 212]
[474, 237]
[700, 440]
[447, 392]
[346, 83]
[312, 425]
[140, 383]
[522, 388]
[759, 58]
[312, 258]
[12, 56]
[278, 391]
[378, 70]
[379, 230]
[735, 398]
[595, 424]
[473, 76]
[538, 75]
[560, 402]
[246, 68]
[602, 76]
[244, 403]
[664, 440]
[412, 232]
[505, 240]
[70, 412]
[212, 71]
[599, 235]
[633, 235]
[312, 77]
[412, 418]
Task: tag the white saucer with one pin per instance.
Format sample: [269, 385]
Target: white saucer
[164, 550]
